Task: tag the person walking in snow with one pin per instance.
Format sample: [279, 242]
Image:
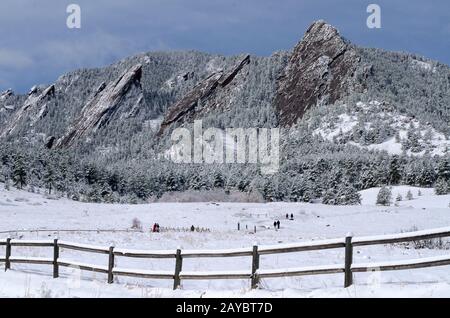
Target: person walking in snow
[292, 216]
[287, 216]
[278, 224]
[275, 225]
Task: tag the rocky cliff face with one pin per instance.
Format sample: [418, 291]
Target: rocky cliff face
[322, 69]
[125, 93]
[6, 94]
[34, 108]
[190, 105]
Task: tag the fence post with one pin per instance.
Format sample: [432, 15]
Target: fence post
[8, 254]
[55, 258]
[111, 265]
[348, 260]
[255, 266]
[178, 268]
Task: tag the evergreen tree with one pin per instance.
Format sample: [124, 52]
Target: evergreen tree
[384, 196]
[444, 168]
[49, 178]
[348, 195]
[95, 194]
[409, 195]
[394, 170]
[441, 187]
[140, 187]
[427, 174]
[219, 181]
[330, 197]
[19, 172]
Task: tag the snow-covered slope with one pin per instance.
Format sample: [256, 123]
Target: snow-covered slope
[377, 126]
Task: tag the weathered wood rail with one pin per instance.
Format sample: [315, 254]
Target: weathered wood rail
[254, 274]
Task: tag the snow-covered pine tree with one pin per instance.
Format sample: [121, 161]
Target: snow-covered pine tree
[394, 170]
[384, 196]
[409, 195]
[219, 181]
[444, 168]
[19, 171]
[330, 197]
[49, 178]
[441, 187]
[347, 194]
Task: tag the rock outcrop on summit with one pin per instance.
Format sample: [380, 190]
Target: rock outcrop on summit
[321, 70]
[125, 94]
[6, 94]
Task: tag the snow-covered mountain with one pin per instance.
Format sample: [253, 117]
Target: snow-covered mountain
[332, 100]
[278, 90]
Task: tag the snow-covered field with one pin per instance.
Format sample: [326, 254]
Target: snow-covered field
[21, 212]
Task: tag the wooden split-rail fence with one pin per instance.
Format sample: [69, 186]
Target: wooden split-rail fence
[254, 274]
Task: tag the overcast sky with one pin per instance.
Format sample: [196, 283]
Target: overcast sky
[37, 47]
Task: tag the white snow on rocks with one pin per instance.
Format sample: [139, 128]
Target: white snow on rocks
[340, 128]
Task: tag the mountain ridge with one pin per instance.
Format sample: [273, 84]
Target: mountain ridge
[118, 132]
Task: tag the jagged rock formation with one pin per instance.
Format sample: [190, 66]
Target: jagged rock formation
[34, 109]
[124, 93]
[186, 108]
[320, 71]
[6, 94]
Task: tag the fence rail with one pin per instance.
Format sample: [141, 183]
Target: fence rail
[254, 274]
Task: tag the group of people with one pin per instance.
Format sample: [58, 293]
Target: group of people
[155, 228]
[276, 224]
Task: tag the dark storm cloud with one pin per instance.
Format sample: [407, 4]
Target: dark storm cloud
[37, 47]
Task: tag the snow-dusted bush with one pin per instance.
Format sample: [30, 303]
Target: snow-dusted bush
[409, 195]
[136, 224]
[433, 244]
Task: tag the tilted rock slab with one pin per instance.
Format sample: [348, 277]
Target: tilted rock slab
[34, 109]
[186, 107]
[107, 100]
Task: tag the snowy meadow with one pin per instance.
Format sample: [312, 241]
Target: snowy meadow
[33, 216]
